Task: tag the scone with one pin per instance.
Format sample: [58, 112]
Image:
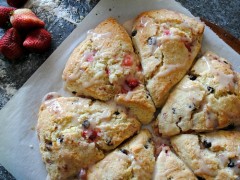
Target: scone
[75, 132]
[167, 43]
[212, 155]
[170, 167]
[207, 98]
[104, 66]
[133, 160]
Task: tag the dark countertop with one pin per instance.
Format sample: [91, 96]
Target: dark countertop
[225, 13]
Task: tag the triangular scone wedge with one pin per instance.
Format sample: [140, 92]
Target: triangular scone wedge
[133, 160]
[105, 66]
[212, 155]
[167, 43]
[207, 98]
[75, 132]
[169, 166]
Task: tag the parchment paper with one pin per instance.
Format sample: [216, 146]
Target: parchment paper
[19, 151]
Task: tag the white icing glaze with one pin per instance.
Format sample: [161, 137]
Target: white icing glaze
[167, 69]
[223, 159]
[54, 106]
[131, 156]
[77, 71]
[144, 21]
[226, 81]
[86, 55]
[129, 96]
[97, 36]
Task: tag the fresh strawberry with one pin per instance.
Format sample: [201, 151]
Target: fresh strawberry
[25, 19]
[91, 134]
[16, 3]
[5, 13]
[127, 61]
[132, 83]
[38, 40]
[11, 44]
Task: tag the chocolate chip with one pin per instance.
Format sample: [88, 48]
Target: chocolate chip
[74, 92]
[149, 140]
[231, 164]
[146, 146]
[210, 89]
[60, 139]
[174, 110]
[192, 77]
[192, 106]
[134, 33]
[116, 113]
[86, 124]
[151, 41]
[200, 178]
[48, 145]
[124, 151]
[207, 144]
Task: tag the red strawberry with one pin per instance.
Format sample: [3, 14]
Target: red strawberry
[132, 83]
[16, 3]
[25, 19]
[11, 44]
[38, 40]
[5, 13]
[127, 61]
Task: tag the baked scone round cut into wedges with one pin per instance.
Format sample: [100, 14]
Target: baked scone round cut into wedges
[170, 167]
[214, 155]
[104, 66]
[133, 160]
[167, 43]
[75, 132]
[206, 99]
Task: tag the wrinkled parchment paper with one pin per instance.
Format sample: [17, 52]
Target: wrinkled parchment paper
[19, 151]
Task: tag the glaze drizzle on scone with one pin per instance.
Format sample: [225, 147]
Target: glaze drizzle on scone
[104, 66]
[167, 43]
[75, 132]
[133, 160]
[208, 98]
[212, 155]
[169, 166]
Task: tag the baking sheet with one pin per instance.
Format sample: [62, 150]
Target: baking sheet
[19, 152]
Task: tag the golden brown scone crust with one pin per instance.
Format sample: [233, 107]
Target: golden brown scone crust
[169, 166]
[212, 155]
[207, 98]
[167, 43]
[105, 66]
[74, 133]
[133, 160]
